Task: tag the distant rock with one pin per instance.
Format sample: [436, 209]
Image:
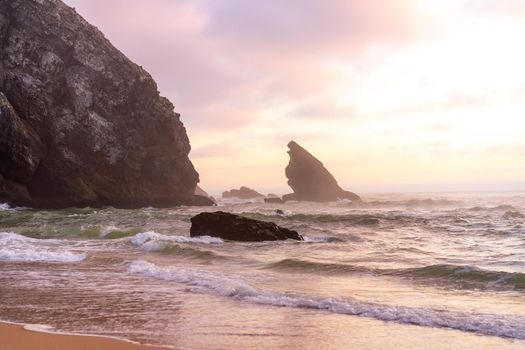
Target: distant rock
[80, 124]
[242, 193]
[237, 228]
[199, 192]
[273, 200]
[310, 180]
[272, 195]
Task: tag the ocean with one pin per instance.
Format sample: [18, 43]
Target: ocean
[397, 271]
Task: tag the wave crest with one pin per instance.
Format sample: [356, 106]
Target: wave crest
[463, 275]
[17, 248]
[510, 326]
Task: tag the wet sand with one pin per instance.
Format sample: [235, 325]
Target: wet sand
[15, 337]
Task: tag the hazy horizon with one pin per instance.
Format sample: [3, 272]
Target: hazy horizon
[414, 96]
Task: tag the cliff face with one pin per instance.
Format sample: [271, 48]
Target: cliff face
[80, 124]
[310, 180]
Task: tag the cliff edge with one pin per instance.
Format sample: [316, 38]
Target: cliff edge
[80, 124]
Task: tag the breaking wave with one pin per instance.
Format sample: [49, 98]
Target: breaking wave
[468, 276]
[19, 248]
[151, 236]
[510, 326]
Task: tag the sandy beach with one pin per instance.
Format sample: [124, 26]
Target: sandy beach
[15, 337]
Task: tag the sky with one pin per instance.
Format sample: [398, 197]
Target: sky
[406, 95]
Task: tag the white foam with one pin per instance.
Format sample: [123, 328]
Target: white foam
[316, 239]
[4, 206]
[42, 328]
[17, 248]
[154, 246]
[210, 280]
[108, 229]
[510, 326]
[141, 238]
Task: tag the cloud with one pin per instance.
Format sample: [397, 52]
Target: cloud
[219, 61]
[321, 110]
[439, 127]
[514, 8]
[282, 139]
[448, 103]
[214, 150]
[306, 25]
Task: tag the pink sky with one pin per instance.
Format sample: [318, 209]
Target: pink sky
[416, 95]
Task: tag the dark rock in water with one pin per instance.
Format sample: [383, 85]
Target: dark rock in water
[237, 228]
[80, 124]
[203, 201]
[273, 200]
[310, 180]
[242, 193]
[280, 212]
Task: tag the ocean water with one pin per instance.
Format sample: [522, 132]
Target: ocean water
[397, 271]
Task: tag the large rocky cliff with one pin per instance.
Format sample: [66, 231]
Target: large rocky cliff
[80, 124]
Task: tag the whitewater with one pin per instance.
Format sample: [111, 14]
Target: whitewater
[412, 271]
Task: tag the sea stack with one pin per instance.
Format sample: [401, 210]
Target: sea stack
[80, 124]
[242, 193]
[310, 180]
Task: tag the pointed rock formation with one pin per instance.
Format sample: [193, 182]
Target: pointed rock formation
[310, 180]
[242, 193]
[80, 124]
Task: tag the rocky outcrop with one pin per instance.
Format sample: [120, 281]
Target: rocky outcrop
[242, 193]
[237, 228]
[199, 192]
[80, 124]
[310, 180]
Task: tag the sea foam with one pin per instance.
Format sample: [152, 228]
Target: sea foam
[151, 236]
[510, 326]
[18, 248]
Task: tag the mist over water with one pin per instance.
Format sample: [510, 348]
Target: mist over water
[388, 272]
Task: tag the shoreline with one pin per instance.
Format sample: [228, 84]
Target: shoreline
[15, 336]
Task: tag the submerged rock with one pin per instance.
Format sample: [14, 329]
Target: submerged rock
[242, 193]
[80, 124]
[237, 228]
[310, 180]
